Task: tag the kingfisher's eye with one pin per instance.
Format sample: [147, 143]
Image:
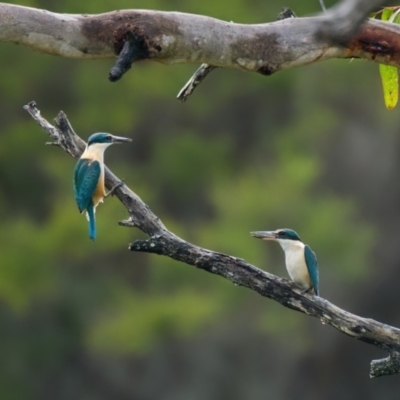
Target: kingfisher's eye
[109, 138]
[281, 234]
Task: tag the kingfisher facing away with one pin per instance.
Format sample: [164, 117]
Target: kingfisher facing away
[89, 176]
[301, 261]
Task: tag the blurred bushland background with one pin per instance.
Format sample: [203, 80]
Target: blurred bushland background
[312, 148]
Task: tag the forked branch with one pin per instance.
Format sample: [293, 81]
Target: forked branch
[237, 271]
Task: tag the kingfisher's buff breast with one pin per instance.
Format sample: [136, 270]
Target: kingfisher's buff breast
[100, 192]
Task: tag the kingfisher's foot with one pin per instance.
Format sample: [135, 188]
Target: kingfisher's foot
[309, 290]
[114, 188]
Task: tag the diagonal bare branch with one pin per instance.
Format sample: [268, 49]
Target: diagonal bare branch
[237, 271]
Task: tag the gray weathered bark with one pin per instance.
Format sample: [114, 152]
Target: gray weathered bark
[172, 37]
[164, 242]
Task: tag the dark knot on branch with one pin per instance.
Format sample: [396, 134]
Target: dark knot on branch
[133, 49]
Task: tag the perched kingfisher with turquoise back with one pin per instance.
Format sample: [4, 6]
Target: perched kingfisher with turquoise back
[301, 261]
[89, 176]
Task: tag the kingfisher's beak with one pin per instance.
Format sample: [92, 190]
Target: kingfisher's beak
[120, 139]
[264, 235]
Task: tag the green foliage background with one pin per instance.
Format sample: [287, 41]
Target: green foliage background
[312, 149]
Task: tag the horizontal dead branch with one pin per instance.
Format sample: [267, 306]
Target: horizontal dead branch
[237, 271]
[172, 37]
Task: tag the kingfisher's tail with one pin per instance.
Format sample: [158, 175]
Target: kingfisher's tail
[92, 222]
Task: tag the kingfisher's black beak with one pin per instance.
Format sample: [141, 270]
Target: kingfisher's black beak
[264, 235]
[120, 139]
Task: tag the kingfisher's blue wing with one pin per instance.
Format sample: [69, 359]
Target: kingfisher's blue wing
[86, 177]
[312, 266]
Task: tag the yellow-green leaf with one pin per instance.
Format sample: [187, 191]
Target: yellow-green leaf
[389, 74]
[390, 84]
[386, 14]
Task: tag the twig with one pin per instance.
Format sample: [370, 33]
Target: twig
[285, 14]
[194, 81]
[386, 366]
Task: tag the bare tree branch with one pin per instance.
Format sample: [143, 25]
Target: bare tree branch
[172, 37]
[236, 270]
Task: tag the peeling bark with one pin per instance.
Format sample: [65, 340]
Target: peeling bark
[165, 243]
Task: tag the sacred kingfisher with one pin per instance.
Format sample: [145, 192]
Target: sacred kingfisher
[301, 261]
[89, 176]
